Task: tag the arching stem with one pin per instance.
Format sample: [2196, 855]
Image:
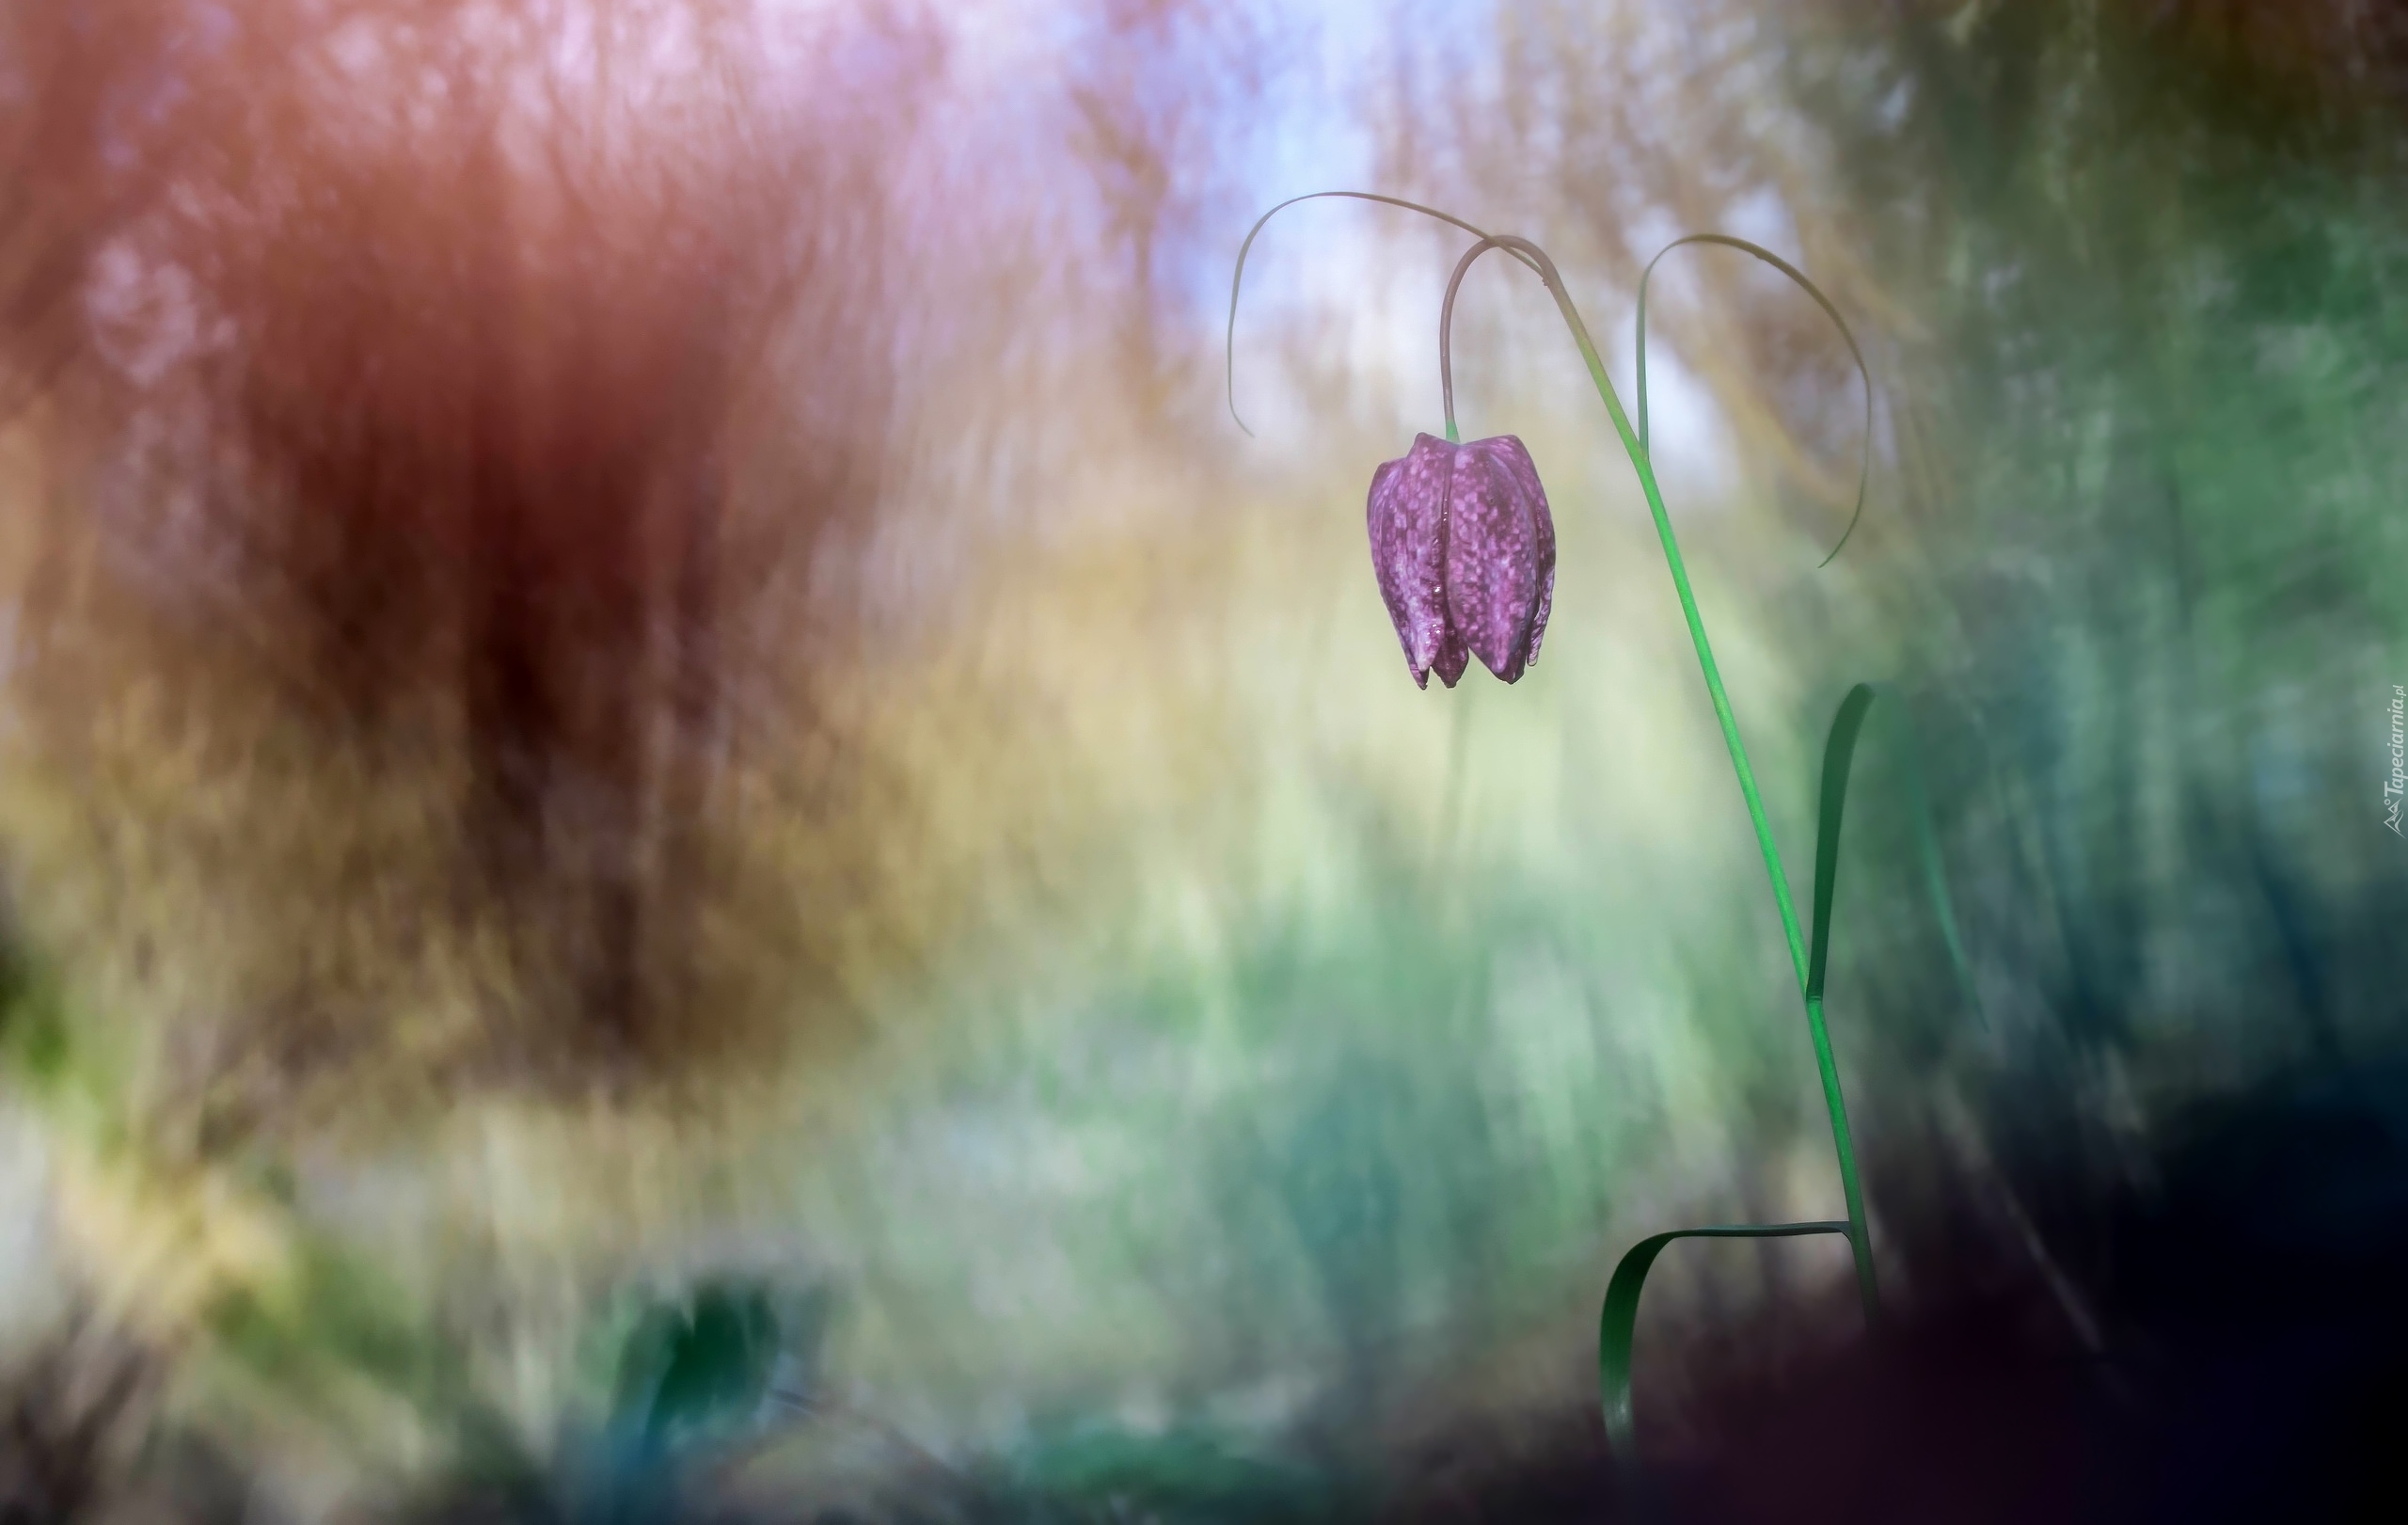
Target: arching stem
[1237, 279]
[1863, 372]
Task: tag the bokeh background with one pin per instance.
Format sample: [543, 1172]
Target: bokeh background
[642, 657]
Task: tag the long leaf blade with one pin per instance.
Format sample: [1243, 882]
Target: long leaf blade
[1839, 749]
[1839, 752]
[1618, 1325]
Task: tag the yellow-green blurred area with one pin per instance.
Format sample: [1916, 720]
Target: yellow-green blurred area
[642, 657]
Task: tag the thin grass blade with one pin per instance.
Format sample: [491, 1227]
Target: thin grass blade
[1935, 870]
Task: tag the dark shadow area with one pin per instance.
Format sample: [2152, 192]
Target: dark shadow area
[2252, 1363]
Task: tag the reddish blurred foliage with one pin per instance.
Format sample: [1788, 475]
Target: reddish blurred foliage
[486, 361]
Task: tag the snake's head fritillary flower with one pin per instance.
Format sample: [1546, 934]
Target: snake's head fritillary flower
[1464, 551]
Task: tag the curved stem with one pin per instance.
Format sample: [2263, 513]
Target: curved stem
[1863, 372]
[1237, 279]
[1828, 1067]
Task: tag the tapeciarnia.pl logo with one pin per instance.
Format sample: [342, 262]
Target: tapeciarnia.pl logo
[2396, 784]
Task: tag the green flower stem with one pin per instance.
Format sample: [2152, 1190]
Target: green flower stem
[1808, 985]
[1851, 1188]
[1824, 1063]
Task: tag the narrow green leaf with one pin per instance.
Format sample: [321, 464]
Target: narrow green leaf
[1839, 750]
[1619, 1322]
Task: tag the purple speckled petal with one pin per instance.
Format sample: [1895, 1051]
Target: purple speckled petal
[1526, 474]
[1500, 554]
[1408, 522]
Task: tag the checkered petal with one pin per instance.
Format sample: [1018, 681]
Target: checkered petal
[1408, 518]
[1499, 554]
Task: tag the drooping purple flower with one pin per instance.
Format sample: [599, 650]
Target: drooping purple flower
[1464, 551]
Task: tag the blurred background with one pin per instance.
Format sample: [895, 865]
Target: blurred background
[687, 832]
